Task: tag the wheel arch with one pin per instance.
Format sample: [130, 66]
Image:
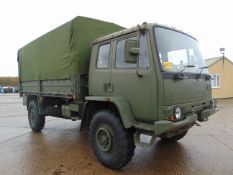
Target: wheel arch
[119, 104]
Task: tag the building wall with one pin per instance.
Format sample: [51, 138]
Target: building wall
[226, 79]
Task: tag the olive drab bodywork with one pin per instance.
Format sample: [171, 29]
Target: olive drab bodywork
[123, 84]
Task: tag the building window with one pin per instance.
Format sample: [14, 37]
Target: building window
[215, 82]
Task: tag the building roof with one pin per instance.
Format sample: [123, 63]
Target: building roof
[211, 61]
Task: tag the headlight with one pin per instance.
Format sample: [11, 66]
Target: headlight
[178, 113]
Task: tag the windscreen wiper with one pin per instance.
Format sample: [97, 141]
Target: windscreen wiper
[179, 75]
[202, 68]
[186, 66]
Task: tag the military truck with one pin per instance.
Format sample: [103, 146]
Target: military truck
[127, 86]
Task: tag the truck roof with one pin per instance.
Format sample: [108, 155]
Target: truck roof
[134, 29]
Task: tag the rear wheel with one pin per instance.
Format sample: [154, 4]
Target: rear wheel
[36, 121]
[175, 138]
[112, 144]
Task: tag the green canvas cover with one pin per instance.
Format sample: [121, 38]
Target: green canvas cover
[62, 52]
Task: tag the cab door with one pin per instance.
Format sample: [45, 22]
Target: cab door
[100, 68]
[139, 91]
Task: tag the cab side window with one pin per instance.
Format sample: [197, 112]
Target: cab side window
[143, 55]
[103, 56]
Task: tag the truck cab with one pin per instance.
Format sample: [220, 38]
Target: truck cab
[157, 78]
[166, 76]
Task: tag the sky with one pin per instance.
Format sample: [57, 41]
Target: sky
[210, 21]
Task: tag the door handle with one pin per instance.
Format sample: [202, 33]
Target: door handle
[108, 87]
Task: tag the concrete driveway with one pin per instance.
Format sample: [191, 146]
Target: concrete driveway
[61, 149]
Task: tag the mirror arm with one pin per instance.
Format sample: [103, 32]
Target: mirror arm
[138, 46]
[137, 67]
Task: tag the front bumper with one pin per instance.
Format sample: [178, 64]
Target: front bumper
[165, 126]
[162, 127]
[204, 115]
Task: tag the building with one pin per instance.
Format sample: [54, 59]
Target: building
[221, 70]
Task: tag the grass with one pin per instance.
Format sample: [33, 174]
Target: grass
[9, 81]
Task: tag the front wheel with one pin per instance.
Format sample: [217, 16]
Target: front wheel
[112, 144]
[36, 121]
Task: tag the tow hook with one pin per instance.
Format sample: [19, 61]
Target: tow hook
[202, 118]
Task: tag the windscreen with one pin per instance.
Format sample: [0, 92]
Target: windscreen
[178, 52]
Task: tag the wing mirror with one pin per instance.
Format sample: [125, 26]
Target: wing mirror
[131, 51]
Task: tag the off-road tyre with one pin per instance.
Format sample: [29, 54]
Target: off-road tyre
[36, 121]
[118, 148]
[173, 139]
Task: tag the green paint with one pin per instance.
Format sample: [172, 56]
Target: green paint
[122, 106]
